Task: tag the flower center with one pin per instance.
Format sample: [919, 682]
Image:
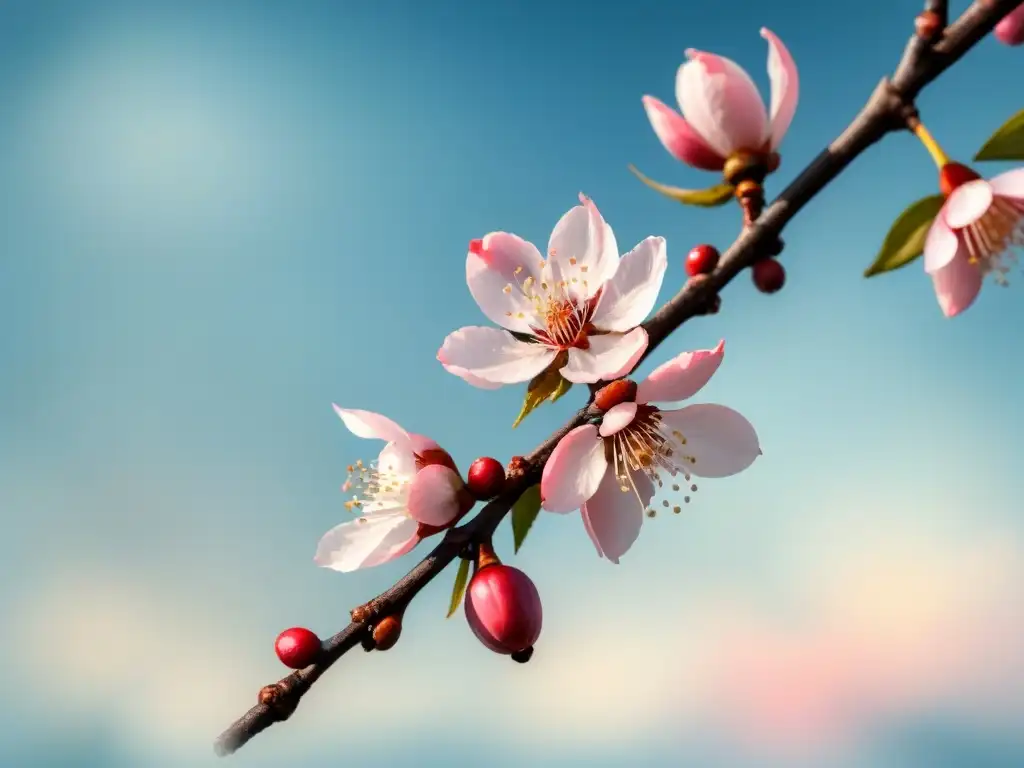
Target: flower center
[374, 488]
[994, 240]
[559, 304]
[649, 446]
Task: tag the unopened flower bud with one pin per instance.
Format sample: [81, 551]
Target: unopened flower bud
[503, 607]
[928, 26]
[387, 632]
[610, 395]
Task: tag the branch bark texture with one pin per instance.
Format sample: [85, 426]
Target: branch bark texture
[887, 110]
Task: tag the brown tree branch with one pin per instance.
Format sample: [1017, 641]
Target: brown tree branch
[886, 111]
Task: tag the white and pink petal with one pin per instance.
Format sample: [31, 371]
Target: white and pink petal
[679, 137]
[721, 102]
[681, 377]
[498, 268]
[367, 541]
[720, 441]
[613, 517]
[785, 82]
[372, 426]
[435, 496]
[574, 470]
[631, 293]
[493, 355]
[609, 356]
[940, 245]
[957, 284]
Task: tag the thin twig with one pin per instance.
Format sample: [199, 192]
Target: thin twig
[886, 111]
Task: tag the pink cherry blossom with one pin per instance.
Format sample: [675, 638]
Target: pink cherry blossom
[723, 110]
[977, 232]
[612, 472]
[413, 490]
[581, 306]
[1011, 29]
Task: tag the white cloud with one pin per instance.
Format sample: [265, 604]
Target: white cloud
[872, 623]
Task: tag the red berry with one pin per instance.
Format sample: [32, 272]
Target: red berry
[702, 260]
[297, 647]
[503, 609]
[769, 275]
[486, 477]
[954, 175]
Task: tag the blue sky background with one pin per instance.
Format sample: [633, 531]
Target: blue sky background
[217, 218]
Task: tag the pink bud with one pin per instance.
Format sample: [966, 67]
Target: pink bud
[1011, 29]
[503, 609]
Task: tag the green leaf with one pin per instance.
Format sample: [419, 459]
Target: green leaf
[711, 197]
[547, 385]
[1007, 143]
[524, 512]
[905, 241]
[459, 588]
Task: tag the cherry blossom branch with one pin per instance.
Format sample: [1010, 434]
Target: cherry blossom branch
[929, 53]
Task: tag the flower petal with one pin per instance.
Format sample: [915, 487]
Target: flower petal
[957, 284]
[1011, 183]
[681, 377]
[721, 440]
[610, 356]
[371, 426]
[968, 203]
[367, 541]
[785, 87]
[613, 517]
[630, 294]
[469, 378]
[493, 355]
[434, 495]
[940, 245]
[679, 138]
[721, 102]
[1010, 29]
[582, 251]
[398, 459]
[496, 269]
[617, 418]
[574, 470]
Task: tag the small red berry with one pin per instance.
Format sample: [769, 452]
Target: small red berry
[503, 609]
[954, 175]
[297, 647]
[702, 260]
[486, 477]
[769, 275]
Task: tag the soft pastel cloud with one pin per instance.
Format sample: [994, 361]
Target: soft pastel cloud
[875, 627]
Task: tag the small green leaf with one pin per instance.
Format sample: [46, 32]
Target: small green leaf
[1007, 143]
[524, 512]
[459, 588]
[711, 197]
[905, 241]
[547, 385]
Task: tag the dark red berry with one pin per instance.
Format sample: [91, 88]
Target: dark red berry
[769, 275]
[954, 175]
[503, 609]
[702, 260]
[297, 647]
[486, 477]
